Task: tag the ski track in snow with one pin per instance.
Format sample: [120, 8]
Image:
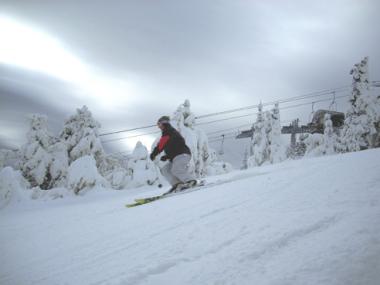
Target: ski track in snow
[311, 221]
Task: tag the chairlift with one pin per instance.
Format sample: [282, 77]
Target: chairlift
[318, 121]
[245, 134]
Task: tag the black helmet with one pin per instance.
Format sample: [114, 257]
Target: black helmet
[164, 120]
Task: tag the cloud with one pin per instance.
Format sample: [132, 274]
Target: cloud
[133, 61]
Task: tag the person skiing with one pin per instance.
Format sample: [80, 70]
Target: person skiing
[178, 171]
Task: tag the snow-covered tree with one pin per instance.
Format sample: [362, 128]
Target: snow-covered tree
[314, 145]
[36, 159]
[326, 144]
[12, 186]
[297, 149]
[189, 117]
[44, 159]
[329, 137]
[215, 166]
[81, 136]
[196, 139]
[116, 172]
[141, 169]
[268, 131]
[277, 151]
[259, 145]
[83, 175]
[204, 157]
[363, 117]
[189, 133]
[59, 164]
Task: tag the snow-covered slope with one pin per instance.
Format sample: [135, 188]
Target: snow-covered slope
[312, 221]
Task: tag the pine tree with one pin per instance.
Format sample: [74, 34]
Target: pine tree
[189, 133]
[83, 175]
[329, 137]
[36, 159]
[326, 144]
[362, 118]
[116, 173]
[259, 146]
[188, 116]
[44, 159]
[59, 164]
[141, 168]
[81, 136]
[277, 151]
[204, 159]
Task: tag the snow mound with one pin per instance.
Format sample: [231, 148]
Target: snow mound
[141, 169]
[12, 186]
[83, 175]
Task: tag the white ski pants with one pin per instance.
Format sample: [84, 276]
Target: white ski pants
[180, 170]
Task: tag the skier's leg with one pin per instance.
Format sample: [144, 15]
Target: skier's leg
[167, 173]
[182, 168]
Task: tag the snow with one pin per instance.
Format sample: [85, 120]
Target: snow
[141, 168]
[83, 175]
[81, 136]
[309, 221]
[35, 153]
[361, 125]
[12, 185]
[204, 158]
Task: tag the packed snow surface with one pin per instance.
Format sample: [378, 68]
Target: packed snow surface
[311, 221]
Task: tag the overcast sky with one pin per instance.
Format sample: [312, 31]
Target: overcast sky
[132, 61]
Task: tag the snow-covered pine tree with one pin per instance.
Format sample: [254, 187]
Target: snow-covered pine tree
[183, 120]
[81, 136]
[116, 172]
[362, 118]
[277, 151]
[12, 185]
[189, 117]
[204, 151]
[59, 163]
[329, 137]
[326, 144]
[259, 146]
[141, 169]
[36, 159]
[203, 158]
[268, 131]
[215, 166]
[314, 145]
[83, 175]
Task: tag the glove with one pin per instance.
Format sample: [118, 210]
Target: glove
[152, 156]
[164, 158]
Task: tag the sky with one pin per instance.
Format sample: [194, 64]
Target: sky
[131, 62]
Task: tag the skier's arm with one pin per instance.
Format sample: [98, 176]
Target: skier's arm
[160, 147]
[154, 153]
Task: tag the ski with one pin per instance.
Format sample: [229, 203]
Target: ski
[142, 201]
[201, 185]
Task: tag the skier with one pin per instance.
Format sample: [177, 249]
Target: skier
[178, 171]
